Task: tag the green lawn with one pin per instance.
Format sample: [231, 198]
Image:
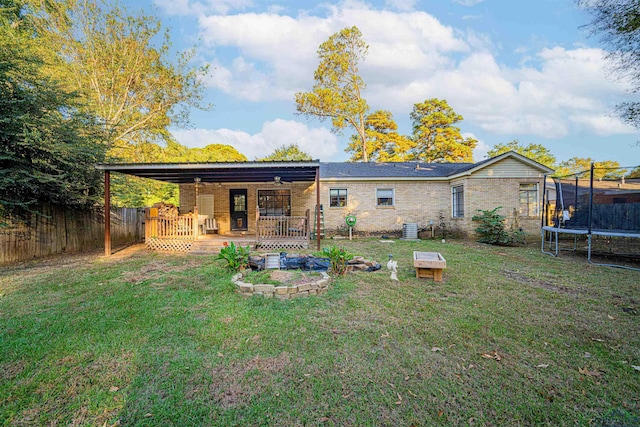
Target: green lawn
[511, 337]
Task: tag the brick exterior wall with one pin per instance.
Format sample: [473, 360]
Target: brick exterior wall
[489, 193]
[302, 198]
[414, 202]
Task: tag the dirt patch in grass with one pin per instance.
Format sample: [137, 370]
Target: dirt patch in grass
[540, 284]
[72, 260]
[235, 384]
[11, 370]
[155, 270]
[79, 377]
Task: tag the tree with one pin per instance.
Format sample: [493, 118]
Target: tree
[110, 58]
[617, 22]
[138, 192]
[174, 152]
[536, 152]
[119, 65]
[581, 167]
[384, 143]
[635, 173]
[287, 153]
[435, 137]
[48, 148]
[337, 93]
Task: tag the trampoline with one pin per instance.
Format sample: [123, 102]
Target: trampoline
[595, 205]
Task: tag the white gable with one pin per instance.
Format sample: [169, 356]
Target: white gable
[509, 167]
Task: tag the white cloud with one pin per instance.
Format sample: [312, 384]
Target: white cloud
[602, 124]
[566, 93]
[276, 54]
[553, 92]
[245, 81]
[195, 7]
[467, 3]
[404, 5]
[320, 143]
[480, 152]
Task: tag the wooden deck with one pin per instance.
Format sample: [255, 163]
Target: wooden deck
[287, 232]
[183, 233]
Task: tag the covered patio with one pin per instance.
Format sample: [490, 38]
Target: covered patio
[271, 203]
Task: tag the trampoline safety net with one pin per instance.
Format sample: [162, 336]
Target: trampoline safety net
[615, 205]
[597, 202]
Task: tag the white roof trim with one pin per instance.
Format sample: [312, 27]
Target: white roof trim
[501, 157]
[384, 178]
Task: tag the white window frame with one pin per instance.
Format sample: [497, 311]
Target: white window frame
[456, 210]
[393, 197]
[536, 208]
[340, 191]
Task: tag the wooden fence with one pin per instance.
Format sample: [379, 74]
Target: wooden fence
[56, 230]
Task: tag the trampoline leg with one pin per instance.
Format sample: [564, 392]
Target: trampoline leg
[589, 248]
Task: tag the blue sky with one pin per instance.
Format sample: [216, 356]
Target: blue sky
[520, 69]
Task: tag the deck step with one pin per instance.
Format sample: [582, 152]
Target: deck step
[214, 246]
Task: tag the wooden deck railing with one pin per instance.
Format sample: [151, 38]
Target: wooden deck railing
[282, 229]
[171, 227]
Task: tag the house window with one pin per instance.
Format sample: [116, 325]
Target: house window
[338, 197]
[274, 202]
[384, 197]
[528, 200]
[457, 201]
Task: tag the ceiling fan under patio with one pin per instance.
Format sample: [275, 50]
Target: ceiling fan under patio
[278, 181]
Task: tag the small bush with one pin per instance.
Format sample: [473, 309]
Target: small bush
[237, 257]
[338, 258]
[492, 229]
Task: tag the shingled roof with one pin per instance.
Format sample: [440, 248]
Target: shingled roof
[391, 170]
[415, 170]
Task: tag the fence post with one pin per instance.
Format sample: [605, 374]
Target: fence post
[107, 213]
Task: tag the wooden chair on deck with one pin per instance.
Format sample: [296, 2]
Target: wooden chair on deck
[210, 224]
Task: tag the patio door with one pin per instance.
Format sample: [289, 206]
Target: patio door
[205, 205]
[238, 202]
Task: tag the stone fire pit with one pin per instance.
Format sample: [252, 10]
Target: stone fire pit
[304, 287]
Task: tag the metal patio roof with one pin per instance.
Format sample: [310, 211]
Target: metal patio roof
[185, 173]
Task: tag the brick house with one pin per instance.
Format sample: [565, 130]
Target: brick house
[385, 196]
[382, 196]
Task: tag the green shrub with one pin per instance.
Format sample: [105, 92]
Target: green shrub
[338, 258]
[237, 257]
[492, 229]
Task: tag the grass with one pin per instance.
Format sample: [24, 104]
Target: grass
[151, 339]
[280, 277]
